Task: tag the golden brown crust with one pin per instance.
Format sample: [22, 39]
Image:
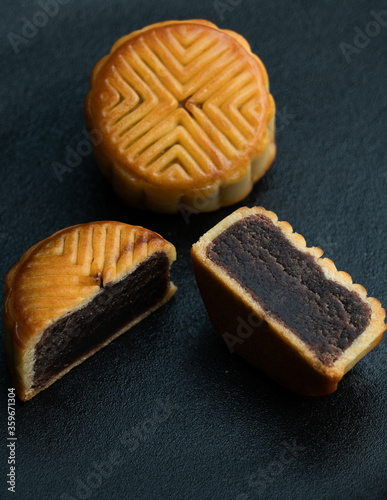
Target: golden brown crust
[63, 273]
[26, 394]
[272, 347]
[184, 109]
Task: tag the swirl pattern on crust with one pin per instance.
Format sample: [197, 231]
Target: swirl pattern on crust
[181, 106]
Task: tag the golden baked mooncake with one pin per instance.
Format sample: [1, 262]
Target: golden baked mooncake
[186, 117]
[74, 292]
[282, 307]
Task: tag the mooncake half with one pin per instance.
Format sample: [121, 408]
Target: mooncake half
[281, 306]
[185, 115]
[76, 291]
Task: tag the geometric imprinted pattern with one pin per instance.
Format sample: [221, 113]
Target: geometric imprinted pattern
[70, 267]
[182, 103]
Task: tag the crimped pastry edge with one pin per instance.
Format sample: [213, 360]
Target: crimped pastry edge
[140, 193]
[21, 340]
[145, 195]
[366, 341]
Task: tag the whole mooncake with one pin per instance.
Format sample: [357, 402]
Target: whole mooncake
[76, 291]
[282, 307]
[185, 115]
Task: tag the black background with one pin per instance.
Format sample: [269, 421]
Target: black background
[227, 423]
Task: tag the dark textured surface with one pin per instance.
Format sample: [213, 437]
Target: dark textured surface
[116, 305]
[290, 286]
[222, 430]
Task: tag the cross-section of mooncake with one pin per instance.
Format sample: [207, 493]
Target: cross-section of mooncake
[282, 307]
[185, 116]
[76, 291]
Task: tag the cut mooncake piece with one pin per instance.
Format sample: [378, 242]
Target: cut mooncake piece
[185, 116]
[282, 307]
[76, 291]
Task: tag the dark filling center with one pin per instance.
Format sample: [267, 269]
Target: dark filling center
[291, 286]
[79, 332]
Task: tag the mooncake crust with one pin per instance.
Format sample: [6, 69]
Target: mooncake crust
[288, 359]
[62, 274]
[185, 114]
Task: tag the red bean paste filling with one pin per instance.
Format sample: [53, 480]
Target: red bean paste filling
[290, 286]
[78, 333]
